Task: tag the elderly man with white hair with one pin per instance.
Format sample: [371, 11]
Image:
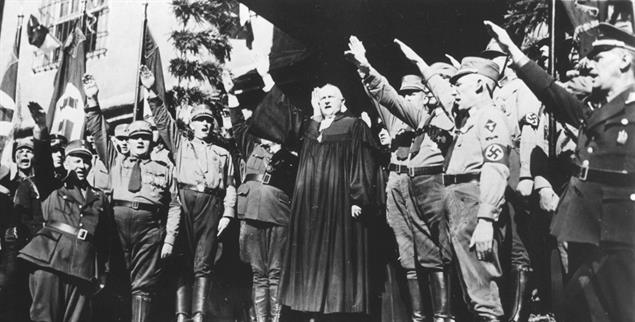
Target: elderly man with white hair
[326, 269]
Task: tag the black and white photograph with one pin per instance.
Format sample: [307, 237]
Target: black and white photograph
[317, 161]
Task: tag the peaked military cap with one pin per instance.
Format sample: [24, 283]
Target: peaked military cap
[201, 111]
[139, 127]
[477, 65]
[412, 83]
[609, 37]
[78, 148]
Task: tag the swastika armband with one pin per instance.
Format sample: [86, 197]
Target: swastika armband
[530, 119]
[496, 153]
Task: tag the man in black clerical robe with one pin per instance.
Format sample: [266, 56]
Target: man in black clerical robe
[327, 267]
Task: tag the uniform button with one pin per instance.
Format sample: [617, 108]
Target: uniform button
[585, 163]
[589, 149]
[81, 215]
[81, 224]
[624, 121]
[632, 196]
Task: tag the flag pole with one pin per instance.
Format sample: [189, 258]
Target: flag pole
[135, 109]
[552, 71]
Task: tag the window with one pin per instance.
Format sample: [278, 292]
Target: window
[61, 15]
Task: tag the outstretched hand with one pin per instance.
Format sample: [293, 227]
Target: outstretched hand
[408, 52]
[500, 35]
[228, 83]
[90, 86]
[147, 77]
[315, 103]
[38, 114]
[356, 54]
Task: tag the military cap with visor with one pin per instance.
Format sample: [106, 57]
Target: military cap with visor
[78, 148]
[477, 65]
[139, 128]
[609, 37]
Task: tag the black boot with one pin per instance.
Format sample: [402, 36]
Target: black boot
[200, 291]
[260, 296]
[520, 277]
[141, 308]
[274, 302]
[441, 295]
[416, 302]
[183, 301]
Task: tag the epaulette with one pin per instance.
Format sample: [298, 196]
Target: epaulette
[630, 98]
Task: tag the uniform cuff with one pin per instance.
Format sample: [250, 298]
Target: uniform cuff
[487, 211]
[540, 182]
[169, 239]
[229, 212]
[232, 101]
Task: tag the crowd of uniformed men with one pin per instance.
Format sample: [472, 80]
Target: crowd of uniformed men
[476, 202]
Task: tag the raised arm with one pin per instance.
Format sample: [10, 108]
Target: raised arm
[564, 105]
[390, 103]
[43, 169]
[439, 86]
[166, 125]
[96, 124]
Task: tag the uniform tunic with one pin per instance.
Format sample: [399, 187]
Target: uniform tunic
[67, 267]
[419, 198]
[481, 147]
[264, 208]
[594, 212]
[142, 233]
[204, 166]
[327, 267]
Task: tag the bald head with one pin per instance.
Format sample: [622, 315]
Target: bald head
[330, 100]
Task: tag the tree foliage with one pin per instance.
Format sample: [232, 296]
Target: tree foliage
[203, 45]
[523, 16]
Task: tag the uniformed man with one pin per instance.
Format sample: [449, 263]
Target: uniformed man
[476, 176]
[98, 176]
[527, 227]
[204, 172]
[595, 215]
[58, 144]
[264, 200]
[415, 186]
[69, 254]
[145, 203]
[121, 138]
[12, 237]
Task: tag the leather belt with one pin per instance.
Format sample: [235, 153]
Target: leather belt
[609, 177]
[137, 205]
[80, 233]
[264, 178]
[415, 171]
[450, 179]
[201, 188]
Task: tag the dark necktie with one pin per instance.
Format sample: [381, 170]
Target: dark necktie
[134, 184]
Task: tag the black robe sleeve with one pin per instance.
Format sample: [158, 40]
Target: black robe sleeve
[276, 119]
[364, 166]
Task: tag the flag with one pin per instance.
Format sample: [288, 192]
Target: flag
[584, 17]
[151, 57]
[40, 37]
[66, 111]
[8, 89]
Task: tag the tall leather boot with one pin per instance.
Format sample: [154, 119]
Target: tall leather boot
[141, 308]
[418, 314]
[520, 277]
[183, 301]
[260, 296]
[200, 291]
[441, 294]
[274, 302]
